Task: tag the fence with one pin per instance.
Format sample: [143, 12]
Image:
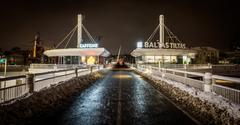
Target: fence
[181, 66]
[55, 66]
[17, 86]
[201, 81]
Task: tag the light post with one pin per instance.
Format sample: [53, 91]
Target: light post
[4, 60]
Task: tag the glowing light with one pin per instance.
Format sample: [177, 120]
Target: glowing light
[83, 58]
[91, 60]
[139, 44]
[122, 76]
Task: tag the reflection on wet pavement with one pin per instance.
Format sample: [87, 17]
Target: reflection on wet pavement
[121, 97]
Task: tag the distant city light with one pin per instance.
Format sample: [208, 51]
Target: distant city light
[140, 44]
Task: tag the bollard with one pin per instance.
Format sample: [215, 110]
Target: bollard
[76, 72]
[30, 82]
[163, 72]
[91, 69]
[208, 82]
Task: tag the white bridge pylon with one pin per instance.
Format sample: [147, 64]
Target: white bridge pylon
[92, 50]
[161, 27]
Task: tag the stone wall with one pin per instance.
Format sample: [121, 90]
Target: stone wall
[45, 101]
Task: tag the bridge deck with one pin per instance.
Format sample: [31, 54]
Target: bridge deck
[122, 97]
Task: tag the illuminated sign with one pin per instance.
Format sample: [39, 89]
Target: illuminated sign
[2, 60]
[139, 44]
[89, 45]
[166, 45]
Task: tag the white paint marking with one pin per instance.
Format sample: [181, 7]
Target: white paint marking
[119, 110]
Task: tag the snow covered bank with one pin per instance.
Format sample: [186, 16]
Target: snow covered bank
[207, 107]
[45, 101]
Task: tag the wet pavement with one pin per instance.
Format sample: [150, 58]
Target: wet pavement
[121, 97]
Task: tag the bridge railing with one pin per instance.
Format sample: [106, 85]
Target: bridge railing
[181, 66]
[202, 81]
[56, 66]
[12, 87]
[227, 92]
[17, 86]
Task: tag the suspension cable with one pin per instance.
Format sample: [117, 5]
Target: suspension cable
[65, 37]
[169, 35]
[70, 37]
[172, 33]
[154, 32]
[88, 34]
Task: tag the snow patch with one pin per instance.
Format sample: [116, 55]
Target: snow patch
[210, 97]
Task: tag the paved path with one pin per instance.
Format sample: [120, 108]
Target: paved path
[122, 97]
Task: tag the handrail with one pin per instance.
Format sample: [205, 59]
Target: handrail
[187, 72]
[12, 86]
[12, 78]
[233, 79]
[53, 77]
[225, 87]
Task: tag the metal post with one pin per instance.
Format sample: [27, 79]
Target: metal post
[5, 68]
[76, 72]
[163, 72]
[208, 82]
[159, 65]
[30, 82]
[91, 69]
[185, 77]
[5, 74]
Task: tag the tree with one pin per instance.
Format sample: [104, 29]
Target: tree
[16, 49]
[236, 45]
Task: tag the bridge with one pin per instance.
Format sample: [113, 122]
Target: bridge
[96, 93]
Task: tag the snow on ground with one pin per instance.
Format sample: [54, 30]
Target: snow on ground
[221, 102]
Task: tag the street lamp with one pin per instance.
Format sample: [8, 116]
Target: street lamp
[4, 60]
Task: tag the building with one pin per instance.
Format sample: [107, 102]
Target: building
[88, 53]
[171, 51]
[206, 55]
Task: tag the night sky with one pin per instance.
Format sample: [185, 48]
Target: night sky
[120, 22]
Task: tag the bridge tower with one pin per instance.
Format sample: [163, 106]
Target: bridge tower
[161, 30]
[79, 34]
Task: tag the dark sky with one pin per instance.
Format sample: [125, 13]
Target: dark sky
[121, 22]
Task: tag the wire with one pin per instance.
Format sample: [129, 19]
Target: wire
[70, 37]
[172, 33]
[88, 34]
[169, 35]
[151, 36]
[65, 37]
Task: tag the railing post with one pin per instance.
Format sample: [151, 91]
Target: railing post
[163, 73]
[208, 82]
[91, 69]
[76, 72]
[30, 82]
[150, 69]
[185, 77]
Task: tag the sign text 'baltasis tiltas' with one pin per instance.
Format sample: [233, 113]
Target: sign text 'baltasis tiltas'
[166, 45]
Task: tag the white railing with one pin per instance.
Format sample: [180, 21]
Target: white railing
[185, 77]
[229, 93]
[9, 91]
[45, 80]
[56, 66]
[17, 86]
[201, 81]
[181, 66]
